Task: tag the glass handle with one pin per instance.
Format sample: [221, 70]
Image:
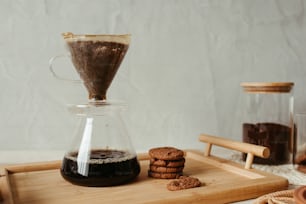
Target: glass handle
[55, 74]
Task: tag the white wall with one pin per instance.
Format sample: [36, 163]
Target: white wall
[180, 77]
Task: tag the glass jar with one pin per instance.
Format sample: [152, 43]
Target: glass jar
[268, 119]
[299, 155]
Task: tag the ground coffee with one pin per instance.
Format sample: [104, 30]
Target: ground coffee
[97, 63]
[276, 137]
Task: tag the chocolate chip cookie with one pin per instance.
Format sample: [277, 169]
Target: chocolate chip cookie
[162, 169]
[167, 163]
[164, 175]
[166, 153]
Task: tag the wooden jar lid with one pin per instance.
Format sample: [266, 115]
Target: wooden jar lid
[267, 87]
[299, 195]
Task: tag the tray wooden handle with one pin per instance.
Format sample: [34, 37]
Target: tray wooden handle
[250, 149]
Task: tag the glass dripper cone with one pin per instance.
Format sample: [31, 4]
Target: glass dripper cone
[97, 59]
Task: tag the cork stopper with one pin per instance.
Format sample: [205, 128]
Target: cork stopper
[267, 87]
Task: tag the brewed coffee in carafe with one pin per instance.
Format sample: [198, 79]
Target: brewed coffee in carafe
[102, 153]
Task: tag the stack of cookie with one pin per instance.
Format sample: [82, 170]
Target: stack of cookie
[166, 163]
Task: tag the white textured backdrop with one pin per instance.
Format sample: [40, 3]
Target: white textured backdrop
[180, 77]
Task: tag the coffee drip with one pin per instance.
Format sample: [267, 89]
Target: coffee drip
[102, 154]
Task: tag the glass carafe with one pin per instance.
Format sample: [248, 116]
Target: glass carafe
[102, 154]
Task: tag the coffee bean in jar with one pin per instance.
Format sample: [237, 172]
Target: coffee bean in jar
[267, 119]
[272, 135]
[299, 155]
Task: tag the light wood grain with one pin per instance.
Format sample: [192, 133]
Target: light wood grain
[250, 149]
[39, 166]
[223, 182]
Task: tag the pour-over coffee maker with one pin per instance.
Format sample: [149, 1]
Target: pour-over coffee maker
[102, 154]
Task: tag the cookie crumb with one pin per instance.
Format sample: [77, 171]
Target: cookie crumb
[183, 182]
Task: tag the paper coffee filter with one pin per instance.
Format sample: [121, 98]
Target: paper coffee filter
[124, 38]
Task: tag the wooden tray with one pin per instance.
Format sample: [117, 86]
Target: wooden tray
[223, 181]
